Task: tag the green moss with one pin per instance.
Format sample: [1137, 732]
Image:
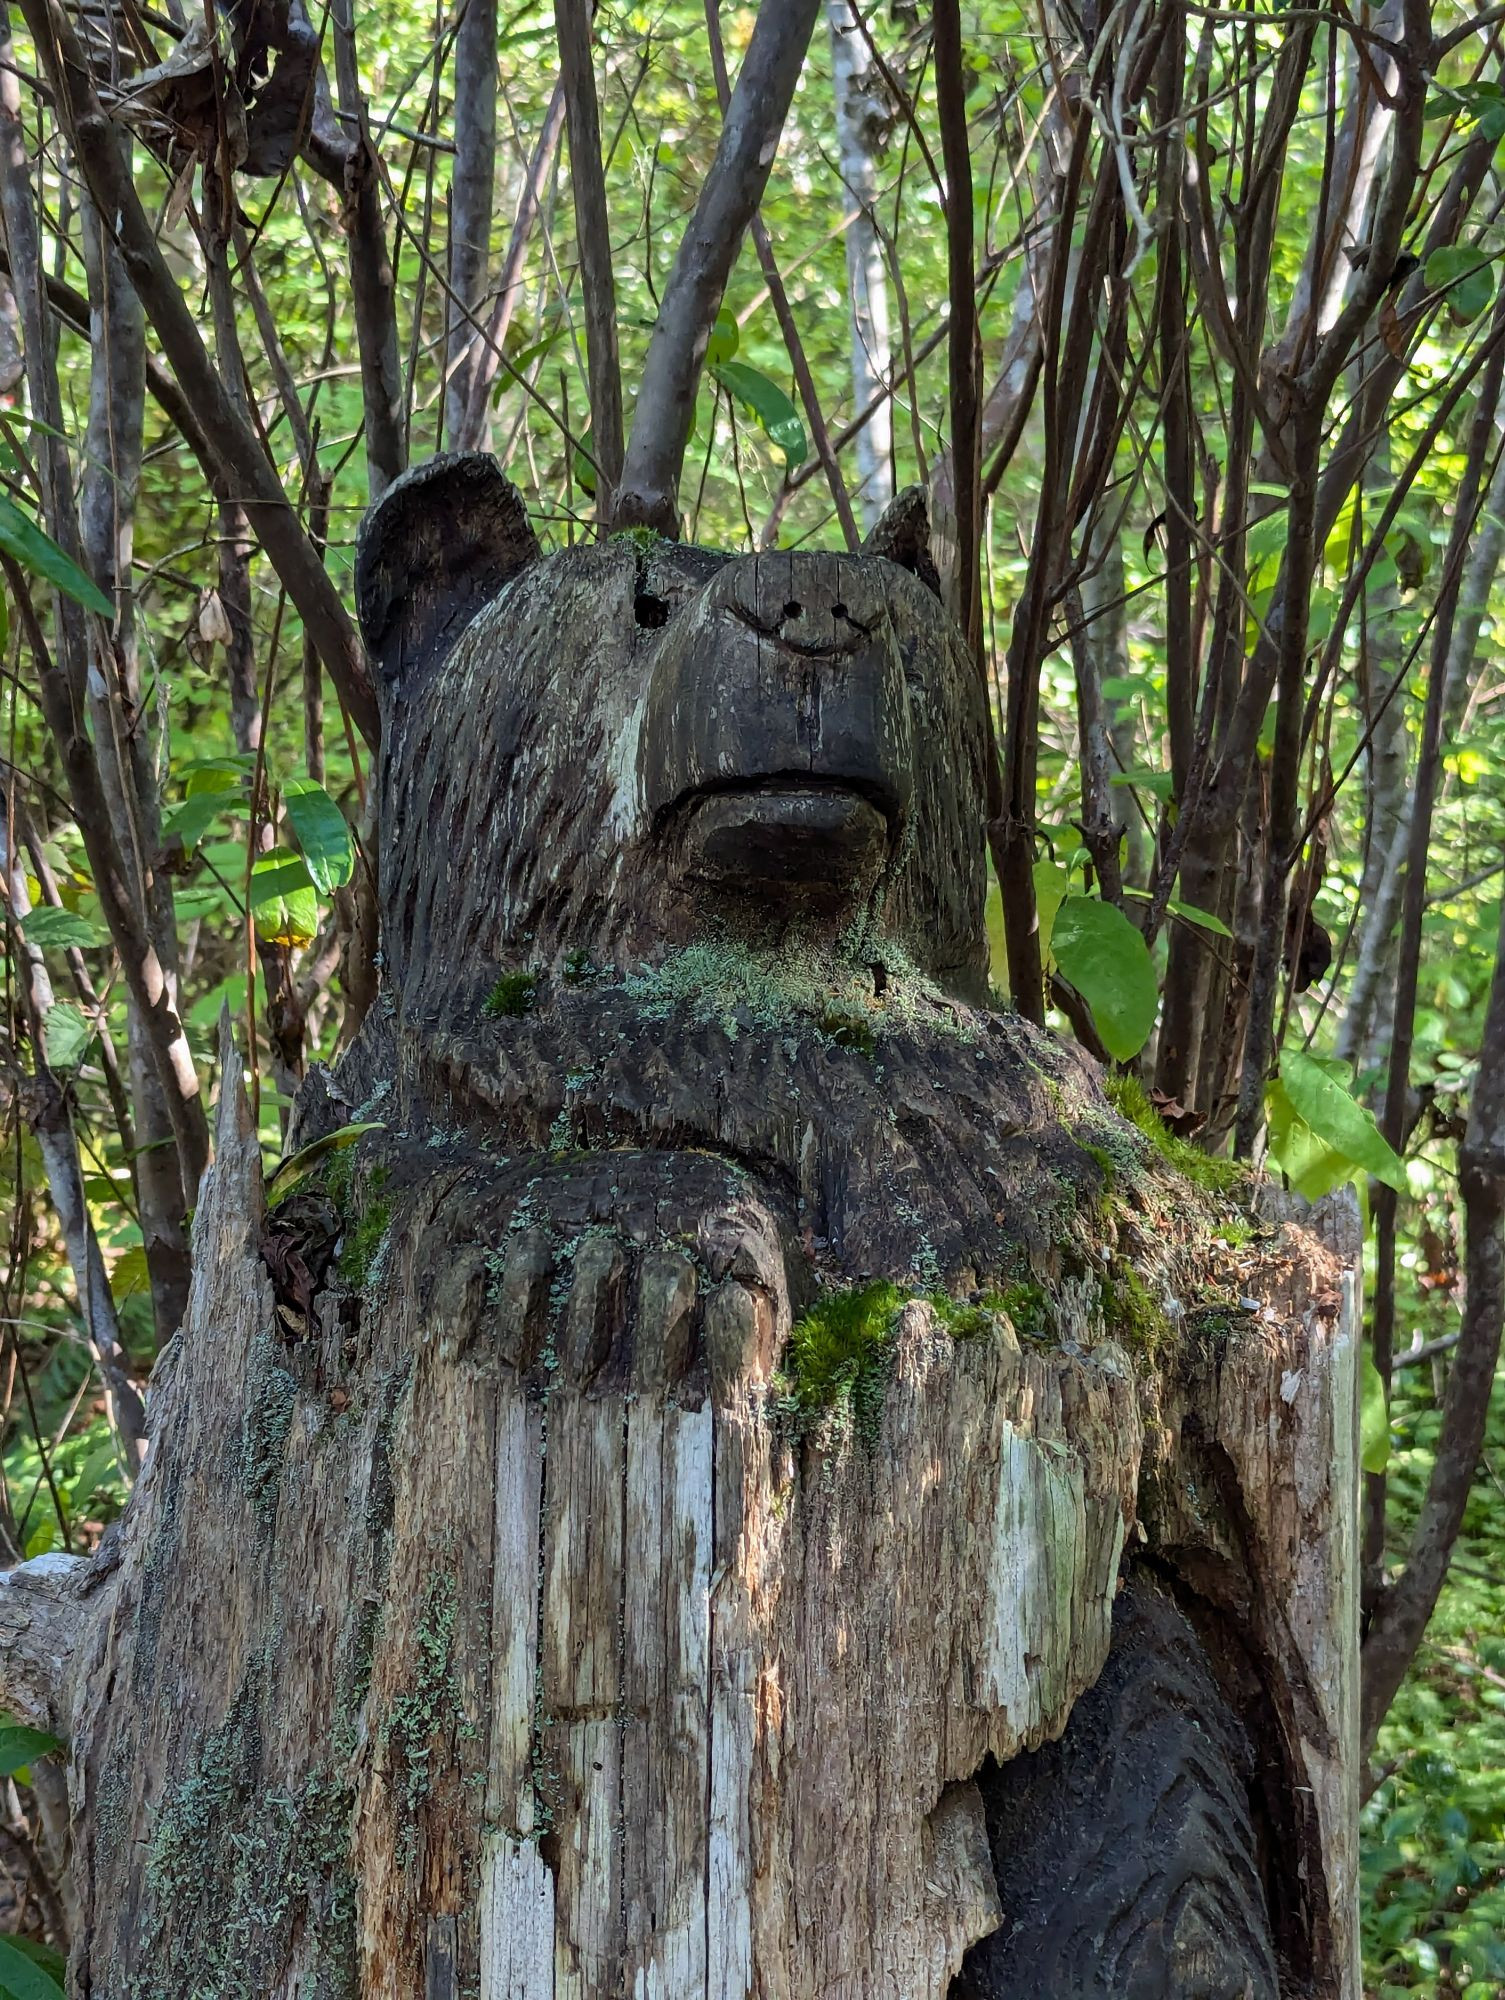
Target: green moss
[640, 538]
[1028, 1311]
[1131, 1101]
[363, 1242]
[577, 968]
[1131, 1312]
[1107, 1165]
[849, 1028]
[838, 1357]
[511, 997]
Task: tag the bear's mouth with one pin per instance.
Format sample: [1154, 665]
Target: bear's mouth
[790, 831]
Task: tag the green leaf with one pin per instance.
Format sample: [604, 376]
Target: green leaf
[129, 1272]
[724, 341]
[191, 820]
[101, 1464]
[284, 904]
[20, 1746]
[50, 1961]
[1312, 1167]
[1159, 783]
[1203, 919]
[65, 1035]
[53, 930]
[322, 834]
[1466, 276]
[1187, 912]
[25, 543]
[769, 404]
[1108, 962]
[1051, 883]
[1374, 1418]
[582, 471]
[1336, 1116]
[43, 1537]
[296, 1165]
[21, 1977]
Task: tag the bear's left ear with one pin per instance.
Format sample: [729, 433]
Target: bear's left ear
[440, 543]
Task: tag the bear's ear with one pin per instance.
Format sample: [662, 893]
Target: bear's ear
[901, 534]
[440, 543]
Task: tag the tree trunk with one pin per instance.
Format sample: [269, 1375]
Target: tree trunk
[642, 1520]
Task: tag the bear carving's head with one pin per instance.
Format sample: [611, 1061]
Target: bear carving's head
[604, 754]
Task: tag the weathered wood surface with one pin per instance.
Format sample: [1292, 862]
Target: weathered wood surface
[487, 1620]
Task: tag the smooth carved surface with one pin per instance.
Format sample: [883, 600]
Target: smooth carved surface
[1127, 1861]
[485, 1620]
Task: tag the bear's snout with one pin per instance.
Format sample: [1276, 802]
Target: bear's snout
[777, 742]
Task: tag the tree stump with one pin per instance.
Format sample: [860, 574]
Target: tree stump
[750, 1478]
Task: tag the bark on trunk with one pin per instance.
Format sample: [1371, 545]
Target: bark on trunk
[619, 1527]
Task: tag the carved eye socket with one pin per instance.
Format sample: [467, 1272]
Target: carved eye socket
[650, 610]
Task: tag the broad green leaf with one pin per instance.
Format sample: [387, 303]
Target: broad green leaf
[1465, 275]
[192, 819]
[129, 1272]
[1312, 1167]
[213, 774]
[43, 1537]
[1374, 1418]
[1051, 883]
[769, 404]
[25, 543]
[1336, 1116]
[724, 341]
[102, 1463]
[50, 1961]
[322, 834]
[285, 907]
[52, 929]
[21, 1977]
[19, 1746]
[1108, 962]
[1160, 784]
[65, 1034]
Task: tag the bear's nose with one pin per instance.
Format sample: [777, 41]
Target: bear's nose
[815, 604]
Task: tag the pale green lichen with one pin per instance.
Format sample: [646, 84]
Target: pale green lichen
[738, 986]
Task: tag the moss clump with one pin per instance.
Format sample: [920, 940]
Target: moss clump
[849, 1028]
[511, 997]
[363, 1242]
[1024, 1303]
[1131, 1311]
[1131, 1101]
[578, 967]
[838, 1357]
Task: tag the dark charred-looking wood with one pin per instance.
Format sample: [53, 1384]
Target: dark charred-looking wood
[1126, 1856]
[443, 540]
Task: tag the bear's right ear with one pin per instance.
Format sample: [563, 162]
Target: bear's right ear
[440, 543]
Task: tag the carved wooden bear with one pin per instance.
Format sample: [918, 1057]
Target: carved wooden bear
[694, 1481]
